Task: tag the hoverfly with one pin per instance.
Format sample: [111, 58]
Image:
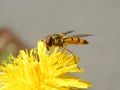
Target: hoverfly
[61, 39]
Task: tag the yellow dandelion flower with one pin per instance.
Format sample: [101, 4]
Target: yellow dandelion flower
[38, 70]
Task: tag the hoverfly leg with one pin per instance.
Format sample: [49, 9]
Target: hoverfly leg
[61, 49]
[48, 50]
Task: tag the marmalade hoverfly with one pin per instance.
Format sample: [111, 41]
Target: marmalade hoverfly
[61, 39]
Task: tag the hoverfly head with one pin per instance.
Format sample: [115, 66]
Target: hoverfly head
[48, 41]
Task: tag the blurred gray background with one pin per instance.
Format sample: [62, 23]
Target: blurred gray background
[32, 20]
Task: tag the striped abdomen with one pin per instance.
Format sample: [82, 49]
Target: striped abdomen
[74, 40]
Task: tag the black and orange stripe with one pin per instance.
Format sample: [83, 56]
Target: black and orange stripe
[74, 40]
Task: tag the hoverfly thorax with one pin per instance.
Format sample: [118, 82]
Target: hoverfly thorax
[57, 40]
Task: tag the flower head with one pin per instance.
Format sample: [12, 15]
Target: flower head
[38, 70]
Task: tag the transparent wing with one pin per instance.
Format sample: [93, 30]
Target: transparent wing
[81, 35]
[65, 33]
[68, 32]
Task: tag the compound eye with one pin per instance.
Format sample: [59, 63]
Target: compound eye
[48, 39]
